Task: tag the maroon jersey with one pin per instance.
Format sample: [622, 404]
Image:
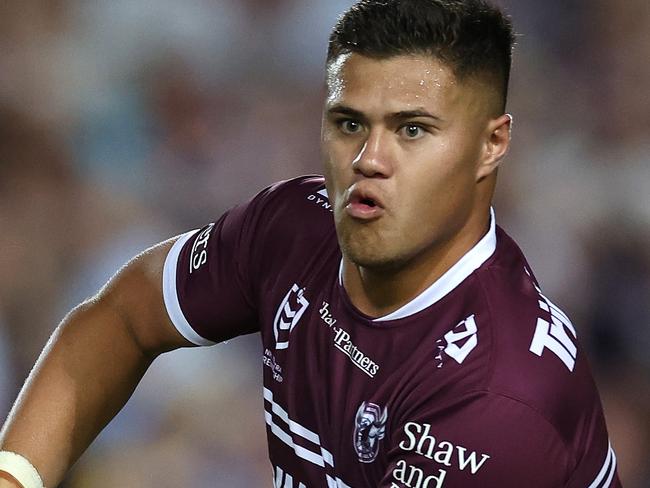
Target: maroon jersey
[479, 381]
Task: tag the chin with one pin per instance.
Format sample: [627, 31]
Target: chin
[371, 248]
[374, 258]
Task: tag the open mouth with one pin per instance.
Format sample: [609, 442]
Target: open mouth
[368, 202]
[362, 204]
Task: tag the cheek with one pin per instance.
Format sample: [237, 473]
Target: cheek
[334, 170]
[438, 166]
[336, 160]
[444, 183]
[328, 156]
[454, 160]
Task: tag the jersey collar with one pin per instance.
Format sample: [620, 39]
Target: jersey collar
[454, 276]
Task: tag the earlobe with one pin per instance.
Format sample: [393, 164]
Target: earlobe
[497, 143]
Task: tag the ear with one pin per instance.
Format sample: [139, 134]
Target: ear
[496, 145]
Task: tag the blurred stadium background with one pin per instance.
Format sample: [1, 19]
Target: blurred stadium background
[124, 122]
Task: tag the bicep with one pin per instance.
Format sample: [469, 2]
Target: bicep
[135, 293]
[195, 289]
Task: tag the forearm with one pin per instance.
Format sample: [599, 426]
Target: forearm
[84, 376]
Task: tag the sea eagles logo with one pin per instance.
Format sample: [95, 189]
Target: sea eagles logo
[291, 308]
[370, 428]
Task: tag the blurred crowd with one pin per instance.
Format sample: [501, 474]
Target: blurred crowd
[123, 123]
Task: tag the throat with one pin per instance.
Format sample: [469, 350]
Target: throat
[377, 293]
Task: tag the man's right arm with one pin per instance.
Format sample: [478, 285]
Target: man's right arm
[90, 367]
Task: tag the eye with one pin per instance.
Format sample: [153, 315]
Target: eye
[349, 126]
[412, 131]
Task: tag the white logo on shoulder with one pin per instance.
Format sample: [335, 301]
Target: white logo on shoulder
[321, 198]
[553, 335]
[466, 332]
[199, 255]
[291, 308]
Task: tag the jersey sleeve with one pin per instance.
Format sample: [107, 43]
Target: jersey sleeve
[209, 276]
[487, 440]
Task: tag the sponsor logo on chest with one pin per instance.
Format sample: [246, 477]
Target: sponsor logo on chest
[343, 342]
[420, 442]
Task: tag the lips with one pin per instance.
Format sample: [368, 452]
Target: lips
[364, 204]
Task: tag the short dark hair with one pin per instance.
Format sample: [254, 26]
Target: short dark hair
[473, 37]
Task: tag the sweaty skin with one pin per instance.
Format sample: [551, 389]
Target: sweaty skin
[410, 156]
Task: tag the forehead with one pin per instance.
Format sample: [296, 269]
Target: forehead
[397, 83]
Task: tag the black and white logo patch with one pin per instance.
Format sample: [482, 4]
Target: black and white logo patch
[291, 308]
[369, 430]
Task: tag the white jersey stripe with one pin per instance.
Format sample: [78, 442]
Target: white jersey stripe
[278, 477]
[336, 483]
[170, 294]
[609, 467]
[288, 480]
[300, 451]
[327, 456]
[294, 427]
[612, 470]
[319, 460]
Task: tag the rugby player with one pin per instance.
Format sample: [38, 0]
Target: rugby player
[406, 340]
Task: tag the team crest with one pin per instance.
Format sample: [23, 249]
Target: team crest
[370, 428]
[291, 308]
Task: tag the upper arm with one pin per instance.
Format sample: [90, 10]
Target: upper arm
[200, 288]
[135, 293]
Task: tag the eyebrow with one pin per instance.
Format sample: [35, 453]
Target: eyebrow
[344, 110]
[403, 114]
[412, 114]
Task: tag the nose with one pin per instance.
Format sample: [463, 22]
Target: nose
[375, 157]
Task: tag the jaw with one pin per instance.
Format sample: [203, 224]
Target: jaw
[372, 246]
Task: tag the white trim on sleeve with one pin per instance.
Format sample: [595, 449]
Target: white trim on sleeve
[606, 473]
[170, 294]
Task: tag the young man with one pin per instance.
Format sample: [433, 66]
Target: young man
[406, 340]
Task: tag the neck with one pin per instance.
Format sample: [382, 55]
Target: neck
[379, 292]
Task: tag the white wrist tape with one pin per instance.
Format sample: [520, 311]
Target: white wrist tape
[21, 469]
